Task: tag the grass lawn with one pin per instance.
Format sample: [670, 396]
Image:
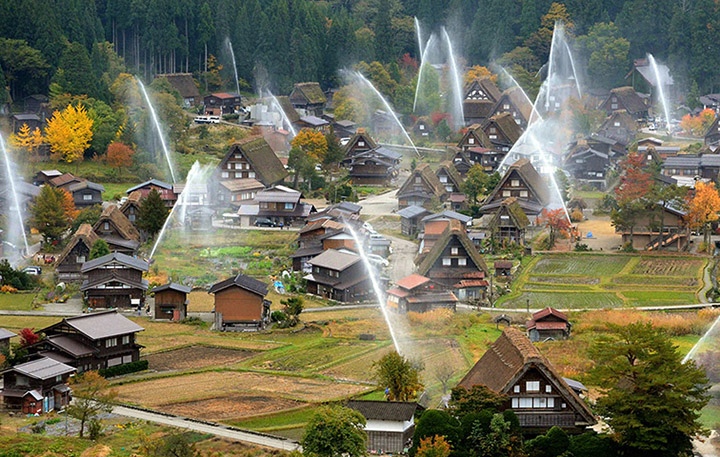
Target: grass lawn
[606, 281]
[17, 302]
[114, 188]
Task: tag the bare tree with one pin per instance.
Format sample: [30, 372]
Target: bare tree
[443, 373]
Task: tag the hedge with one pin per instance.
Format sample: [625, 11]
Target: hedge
[126, 368]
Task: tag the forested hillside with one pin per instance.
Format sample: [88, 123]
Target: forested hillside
[284, 41]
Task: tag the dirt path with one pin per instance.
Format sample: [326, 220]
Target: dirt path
[402, 259]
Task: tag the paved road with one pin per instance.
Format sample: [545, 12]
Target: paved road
[380, 205]
[402, 258]
[639, 308]
[207, 427]
[702, 295]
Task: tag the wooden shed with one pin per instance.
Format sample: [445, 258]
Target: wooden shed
[171, 301]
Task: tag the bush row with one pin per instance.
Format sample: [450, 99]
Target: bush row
[126, 368]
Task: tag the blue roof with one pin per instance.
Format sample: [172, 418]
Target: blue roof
[152, 182]
[449, 215]
[412, 211]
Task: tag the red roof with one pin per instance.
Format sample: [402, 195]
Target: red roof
[224, 95]
[457, 198]
[412, 281]
[548, 325]
[398, 292]
[550, 311]
[471, 283]
[503, 264]
[479, 149]
[474, 275]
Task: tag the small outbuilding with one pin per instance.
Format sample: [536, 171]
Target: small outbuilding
[171, 301]
[503, 268]
[548, 324]
[389, 424]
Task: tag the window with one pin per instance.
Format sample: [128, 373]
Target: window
[492, 137]
[550, 402]
[238, 174]
[613, 106]
[516, 389]
[126, 339]
[106, 226]
[447, 261]
[532, 386]
[564, 406]
[418, 180]
[110, 342]
[548, 388]
[421, 127]
[238, 166]
[515, 182]
[453, 251]
[87, 197]
[289, 205]
[539, 402]
[515, 401]
[493, 130]
[462, 261]
[316, 269]
[225, 174]
[229, 166]
[506, 106]
[506, 193]
[443, 179]
[523, 193]
[361, 143]
[251, 174]
[131, 218]
[238, 156]
[471, 140]
[80, 259]
[58, 378]
[525, 403]
[616, 124]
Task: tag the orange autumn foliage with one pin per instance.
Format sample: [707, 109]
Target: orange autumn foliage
[68, 205]
[119, 155]
[479, 72]
[697, 125]
[434, 446]
[312, 142]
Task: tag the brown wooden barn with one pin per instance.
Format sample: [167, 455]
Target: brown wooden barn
[240, 304]
[548, 324]
[536, 393]
[114, 281]
[171, 301]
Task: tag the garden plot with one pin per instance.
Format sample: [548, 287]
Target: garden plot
[231, 407]
[663, 266]
[308, 358]
[195, 357]
[581, 265]
[210, 385]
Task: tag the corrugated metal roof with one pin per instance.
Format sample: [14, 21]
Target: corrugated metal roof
[44, 368]
[101, 325]
[335, 260]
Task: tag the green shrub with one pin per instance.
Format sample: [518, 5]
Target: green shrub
[581, 247]
[193, 321]
[278, 316]
[94, 429]
[127, 368]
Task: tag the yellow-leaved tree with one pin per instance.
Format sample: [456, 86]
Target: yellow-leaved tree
[479, 72]
[312, 142]
[27, 141]
[703, 209]
[69, 133]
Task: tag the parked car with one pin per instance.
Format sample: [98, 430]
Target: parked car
[32, 270]
[377, 260]
[264, 222]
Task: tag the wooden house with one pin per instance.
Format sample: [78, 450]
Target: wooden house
[455, 264]
[420, 188]
[523, 182]
[588, 166]
[620, 126]
[77, 251]
[33, 121]
[373, 168]
[311, 242]
[288, 108]
[536, 393]
[488, 159]
[646, 235]
[449, 177]
[93, 341]
[418, 294]
[548, 324]
[410, 218]
[222, 103]
[44, 176]
[712, 134]
[360, 142]
[340, 276]
[344, 128]
[313, 123]
[502, 131]
[509, 223]
[643, 78]
[119, 233]
[308, 97]
[5, 336]
[114, 281]
[131, 206]
[36, 103]
[516, 103]
[251, 158]
[166, 191]
[503, 268]
[171, 301]
[705, 166]
[86, 194]
[240, 304]
[279, 204]
[238, 192]
[26, 194]
[64, 181]
[474, 137]
[186, 87]
[389, 425]
[423, 127]
[462, 163]
[480, 97]
[343, 211]
[36, 387]
[625, 98]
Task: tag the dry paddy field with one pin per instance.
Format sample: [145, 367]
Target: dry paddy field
[195, 357]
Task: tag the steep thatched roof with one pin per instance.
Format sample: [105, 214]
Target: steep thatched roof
[427, 176]
[132, 200]
[513, 209]
[627, 96]
[508, 358]
[455, 229]
[183, 83]
[621, 117]
[519, 101]
[360, 134]
[310, 92]
[267, 167]
[289, 109]
[530, 177]
[83, 234]
[478, 109]
[113, 215]
[480, 136]
[452, 173]
[506, 125]
[485, 85]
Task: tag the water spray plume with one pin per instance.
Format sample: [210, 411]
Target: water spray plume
[702, 339]
[419, 38]
[228, 43]
[387, 106]
[661, 91]
[158, 129]
[458, 115]
[376, 286]
[533, 111]
[421, 72]
[197, 176]
[572, 64]
[9, 170]
[286, 120]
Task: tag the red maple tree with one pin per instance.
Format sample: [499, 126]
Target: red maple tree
[28, 337]
[556, 221]
[635, 181]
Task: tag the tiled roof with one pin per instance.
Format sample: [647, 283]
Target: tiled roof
[130, 262]
[412, 281]
[100, 325]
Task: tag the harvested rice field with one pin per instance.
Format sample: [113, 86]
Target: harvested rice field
[194, 357]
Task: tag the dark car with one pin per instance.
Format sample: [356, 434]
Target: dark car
[264, 222]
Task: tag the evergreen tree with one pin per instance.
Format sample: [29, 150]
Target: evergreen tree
[334, 431]
[99, 249]
[384, 40]
[49, 214]
[75, 74]
[152, 213]
[4, 94]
